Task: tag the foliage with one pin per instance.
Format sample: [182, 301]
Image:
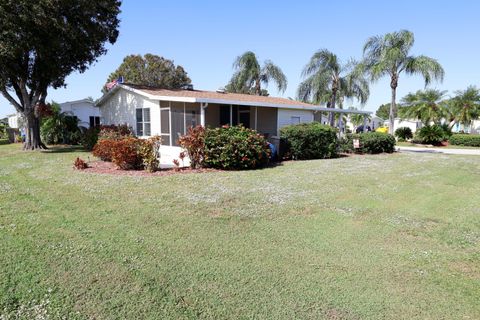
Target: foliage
[383, 111]
[433, 134]
[89, 138]
[3, 131]
[151, 70]
[465, 106]
[329, 81]
[235, 147]
[4, 141]
[42, 42]
[249, 75]
[370, 143]
[404, 133]
[115, 132]
[194, 143]
[103, 149]
[80, 164]
[427, 106]
[309, 141]
[130, 153]
[388, 55]
[59, 127]
[468, 140]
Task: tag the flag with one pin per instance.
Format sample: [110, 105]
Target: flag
[113, 83]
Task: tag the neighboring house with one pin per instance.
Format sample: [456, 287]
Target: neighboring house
[14, 120]
[4, 121]
[373, 122]
[169, 113]
[473, 128]
[85, 110]
[414, 125]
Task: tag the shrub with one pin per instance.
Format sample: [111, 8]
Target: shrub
[309, 141]
[468, 140]
[149, 151]
[115, 132]
[235, 147]
[370, 142]
[126, 153]
[80, 164]
[403, 133]
[104, 149]
[90, 138]
[431, 135]
[59, 127]
[4, 141]
[194, 143]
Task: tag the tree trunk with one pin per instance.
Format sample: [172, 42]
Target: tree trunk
[332, 105]
[32, 133]
[258, 89]
[393, 109]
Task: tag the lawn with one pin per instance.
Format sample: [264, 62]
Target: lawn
[363, 237]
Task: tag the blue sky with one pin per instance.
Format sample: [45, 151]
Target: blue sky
[206, 36]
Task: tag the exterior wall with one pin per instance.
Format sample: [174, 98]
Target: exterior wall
[212, 114]
[474, 128]
[319, 117]
[412, 124]
[266, 120]
[285, 117]
[120, 109]
[82, 109]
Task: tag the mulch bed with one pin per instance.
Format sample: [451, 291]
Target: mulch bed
[102, 167]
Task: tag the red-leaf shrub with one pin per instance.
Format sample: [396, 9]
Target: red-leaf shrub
[194, 143]
[115, 132]
[126, 154]
[149, 151]
[104, 149]
[80, 164]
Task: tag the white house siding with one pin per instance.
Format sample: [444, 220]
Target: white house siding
[412, 124]
[82, 109]
[290, 116]
[120, 109]
[13, 121]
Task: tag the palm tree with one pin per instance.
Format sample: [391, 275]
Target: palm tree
[426, 106]
[465, 106]
[389, 55]
[329, 81]
[249, 75]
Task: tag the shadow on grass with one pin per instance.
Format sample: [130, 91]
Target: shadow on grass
[63, 149]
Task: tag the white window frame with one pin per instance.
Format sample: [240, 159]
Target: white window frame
[143, 122]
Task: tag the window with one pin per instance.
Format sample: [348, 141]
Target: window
[94, 122]
[294, 120]
[143, 122]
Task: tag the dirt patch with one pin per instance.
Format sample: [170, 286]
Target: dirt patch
[102, 167]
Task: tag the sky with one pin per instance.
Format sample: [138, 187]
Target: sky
[205, 37]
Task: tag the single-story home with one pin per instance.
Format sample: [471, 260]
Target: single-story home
[85, 110]
[169, 113]
[413, 124]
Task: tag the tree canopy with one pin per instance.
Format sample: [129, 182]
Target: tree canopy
[465, 106]
[42, 42]
[151, 70]
[249, 75]
[425, 105]
[389, 55]
[383, 111]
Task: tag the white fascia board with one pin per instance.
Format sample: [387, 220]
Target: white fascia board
[323, 109]
[254, 104]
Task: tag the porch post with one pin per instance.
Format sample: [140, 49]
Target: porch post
[231, 115]
[340, 123]
[203, 106]
[364, 123]
[256, 117]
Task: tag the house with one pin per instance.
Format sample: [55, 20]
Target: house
[169, 113]
[373, 122]
[473, 128]
[85, 110]
[413, 124]
[14, 120]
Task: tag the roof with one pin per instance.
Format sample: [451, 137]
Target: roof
[201, 96]
[77, 101]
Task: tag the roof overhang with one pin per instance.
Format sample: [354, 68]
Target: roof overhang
[224, 101]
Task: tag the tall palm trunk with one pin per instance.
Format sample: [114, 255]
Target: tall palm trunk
[258, 89]
[332, 105]
[393, 105]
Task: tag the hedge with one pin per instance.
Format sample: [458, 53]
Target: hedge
[309, 141]
[370, 142]
[468, 140]
[4, 141]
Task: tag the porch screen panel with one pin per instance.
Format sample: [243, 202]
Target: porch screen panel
[192, 115]
[178, 121]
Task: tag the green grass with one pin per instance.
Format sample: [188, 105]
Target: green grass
[363, 237]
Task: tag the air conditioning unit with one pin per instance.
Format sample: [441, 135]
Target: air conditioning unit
[221, 90]
[187, 87]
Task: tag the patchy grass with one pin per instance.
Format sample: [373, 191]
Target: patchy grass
[363, 237]
[450, 146]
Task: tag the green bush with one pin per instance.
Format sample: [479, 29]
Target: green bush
[468, 140]
[89, 138]
[370, 142]
[59, 127]
[431, 135]
[4, 141]
[235, 147]
[309, 141]
[403, 133]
